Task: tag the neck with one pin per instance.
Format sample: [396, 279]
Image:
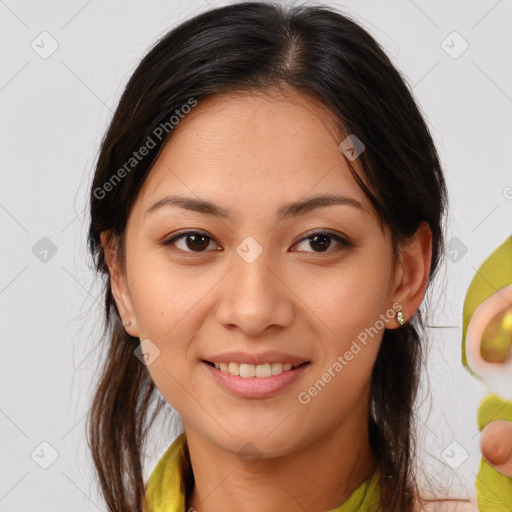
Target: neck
[317, 477]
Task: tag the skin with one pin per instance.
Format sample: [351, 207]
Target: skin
[252, 153]
[496, 446]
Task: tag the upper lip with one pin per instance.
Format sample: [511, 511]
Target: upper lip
[261, 358]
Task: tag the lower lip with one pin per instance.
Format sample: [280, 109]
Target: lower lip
[256, 387]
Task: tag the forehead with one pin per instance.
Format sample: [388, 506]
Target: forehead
[254, 148]
[273, 117]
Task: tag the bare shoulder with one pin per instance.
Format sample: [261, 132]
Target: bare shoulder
[451, 505]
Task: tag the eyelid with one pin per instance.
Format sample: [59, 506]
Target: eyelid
[168, 241]
[341, 239]
[174, 236]
[319, 231]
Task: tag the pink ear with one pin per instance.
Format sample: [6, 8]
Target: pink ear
[496, 446]
[497, 376]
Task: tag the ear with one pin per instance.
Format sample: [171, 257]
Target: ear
[411, 277]
[118, 282]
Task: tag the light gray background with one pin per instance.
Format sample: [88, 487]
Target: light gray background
[54, 112]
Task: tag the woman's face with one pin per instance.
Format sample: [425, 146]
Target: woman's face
[257, 284]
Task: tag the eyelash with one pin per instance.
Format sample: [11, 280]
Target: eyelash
[344, 243]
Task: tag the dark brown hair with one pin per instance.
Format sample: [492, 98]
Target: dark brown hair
[251, 46]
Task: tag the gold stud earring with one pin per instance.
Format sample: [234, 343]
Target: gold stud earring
[400, 318]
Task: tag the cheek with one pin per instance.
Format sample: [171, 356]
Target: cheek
[348, 298]
[163, 294]
[340, 385]
[165, 303]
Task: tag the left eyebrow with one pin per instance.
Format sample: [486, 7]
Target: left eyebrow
[303, 206]
[300, 207]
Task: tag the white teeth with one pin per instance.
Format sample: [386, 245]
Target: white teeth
[247, 370]
[253, 370]
[263, 370]
[234, 368]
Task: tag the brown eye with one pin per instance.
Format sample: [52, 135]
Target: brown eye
[322, 241]
[193, 241]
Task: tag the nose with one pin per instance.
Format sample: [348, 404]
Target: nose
[254, 296]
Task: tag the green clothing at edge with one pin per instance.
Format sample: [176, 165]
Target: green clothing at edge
[165, 491]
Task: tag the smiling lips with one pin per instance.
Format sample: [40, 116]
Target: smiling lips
[255, 380]
[261, 365]
[254, 370]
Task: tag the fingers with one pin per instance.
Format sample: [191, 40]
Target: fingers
[496, 446]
